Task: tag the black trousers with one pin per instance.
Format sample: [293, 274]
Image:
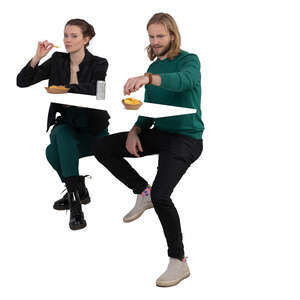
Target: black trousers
[176, 153]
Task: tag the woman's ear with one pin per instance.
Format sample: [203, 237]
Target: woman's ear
[86, 40]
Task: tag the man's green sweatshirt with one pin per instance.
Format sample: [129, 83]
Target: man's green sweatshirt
[180, 86]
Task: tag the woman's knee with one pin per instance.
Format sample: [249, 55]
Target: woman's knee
[51, 154]
[62, 131]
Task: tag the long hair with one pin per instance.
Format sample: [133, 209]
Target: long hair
[86, 28]
[170, 24]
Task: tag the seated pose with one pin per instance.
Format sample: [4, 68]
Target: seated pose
[76, 128]
[172, 79]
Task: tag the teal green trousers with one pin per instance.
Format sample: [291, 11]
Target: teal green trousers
[67, 147]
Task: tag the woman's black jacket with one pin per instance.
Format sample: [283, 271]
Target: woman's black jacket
[57, 70]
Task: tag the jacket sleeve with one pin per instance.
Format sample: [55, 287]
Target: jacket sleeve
[29, 76]
[187, 77]
[89, 88]
[144, 122]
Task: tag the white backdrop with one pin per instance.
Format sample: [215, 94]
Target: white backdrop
[239, 203]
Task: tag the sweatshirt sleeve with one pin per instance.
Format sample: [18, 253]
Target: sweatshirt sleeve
[89, 88]
[29, 76]
[187, 77]
[144, 122]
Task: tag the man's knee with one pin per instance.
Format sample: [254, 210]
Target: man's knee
[100, 147]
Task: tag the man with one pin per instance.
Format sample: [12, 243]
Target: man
[172, 79]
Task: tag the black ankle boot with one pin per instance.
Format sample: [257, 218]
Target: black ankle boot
[77, 220]
[63, 203]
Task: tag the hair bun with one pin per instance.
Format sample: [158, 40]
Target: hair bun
[91, 31]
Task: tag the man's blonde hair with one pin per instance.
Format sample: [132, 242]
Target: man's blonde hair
[170, 24]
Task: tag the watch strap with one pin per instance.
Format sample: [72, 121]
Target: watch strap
[149, 75]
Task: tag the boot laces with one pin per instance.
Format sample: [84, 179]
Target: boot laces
[63, 190]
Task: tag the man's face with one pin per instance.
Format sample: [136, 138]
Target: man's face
[160, 39]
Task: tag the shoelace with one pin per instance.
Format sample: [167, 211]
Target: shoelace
[63, 190]
[85, 176]
[88, 176]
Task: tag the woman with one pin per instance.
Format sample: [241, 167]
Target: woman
[76, 128]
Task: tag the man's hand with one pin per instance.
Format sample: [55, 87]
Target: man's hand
[134, 84]
[133, 143]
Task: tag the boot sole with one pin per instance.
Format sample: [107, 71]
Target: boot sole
[136, 216]
[172, 283]
[77, 227]
[83, 201]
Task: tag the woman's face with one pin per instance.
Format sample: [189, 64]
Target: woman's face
[73, 38]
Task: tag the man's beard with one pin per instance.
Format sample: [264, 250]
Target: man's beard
[165, 51]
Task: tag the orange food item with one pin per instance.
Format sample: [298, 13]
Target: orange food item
[57, 89]
[132, 101]
[61, 87]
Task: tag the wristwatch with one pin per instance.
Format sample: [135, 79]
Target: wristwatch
[149, 75]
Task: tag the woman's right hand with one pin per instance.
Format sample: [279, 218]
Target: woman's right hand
[42, 50]
[133, 143]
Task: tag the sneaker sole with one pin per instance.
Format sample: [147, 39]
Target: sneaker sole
[171, 283]
[128, 220]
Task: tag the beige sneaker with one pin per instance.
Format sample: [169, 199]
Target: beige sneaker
[143, 202]
[177, 270]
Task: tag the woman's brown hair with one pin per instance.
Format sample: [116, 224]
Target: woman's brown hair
[170, 24]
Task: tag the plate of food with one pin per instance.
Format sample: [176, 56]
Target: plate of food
[132, 103]
[57, 89]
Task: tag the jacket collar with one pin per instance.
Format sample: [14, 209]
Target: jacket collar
[87, 58]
